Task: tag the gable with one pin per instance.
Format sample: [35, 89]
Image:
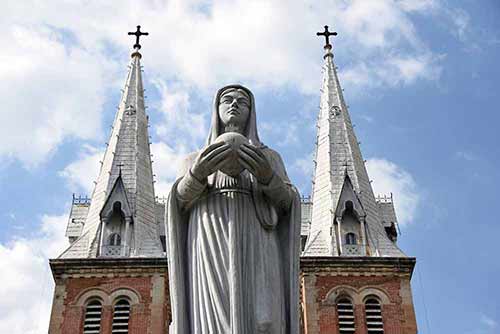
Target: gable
[117, 194]
[348, 194]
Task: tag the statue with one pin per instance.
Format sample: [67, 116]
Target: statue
[233, 231]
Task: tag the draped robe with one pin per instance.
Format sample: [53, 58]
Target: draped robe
[233, 249]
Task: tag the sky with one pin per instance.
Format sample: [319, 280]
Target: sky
[419, 78]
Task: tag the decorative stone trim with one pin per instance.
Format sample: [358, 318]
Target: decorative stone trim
[377, 292]
[91, 293]
[130, 294]
[357, 266]
[107, 267]
[339, 291]
[107, 298]
[358, 296]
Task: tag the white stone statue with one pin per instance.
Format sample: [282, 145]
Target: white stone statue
[233, 237]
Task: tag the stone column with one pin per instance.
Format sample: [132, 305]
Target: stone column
[363, 235]
[339, 234]
[104, 221]
[126, 237]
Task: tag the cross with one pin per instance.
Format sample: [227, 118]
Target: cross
[138, 33]
[120, 165]
[327, 35]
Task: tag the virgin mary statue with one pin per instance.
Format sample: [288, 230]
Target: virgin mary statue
[233, 240]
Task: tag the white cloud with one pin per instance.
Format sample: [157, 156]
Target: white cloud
[409, 69]
[49, 92]
[27, 283]
[81, 174]
[388, 177]
[167, 161]
[56, 76]
[418, 5]
[305, 165]
[467, 156]
[304, 168]
[488, 321]
[394, 71]
[391, 27]
[287, 132]
[178, 116]
[461, 21]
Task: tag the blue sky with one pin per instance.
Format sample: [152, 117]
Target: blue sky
[419, 77]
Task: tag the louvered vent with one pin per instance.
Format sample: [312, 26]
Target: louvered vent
[121, 316]
[92, 323]
[374, 322]
[345, 313]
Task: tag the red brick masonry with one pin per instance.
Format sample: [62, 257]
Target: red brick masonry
[323, 280]
[144, 281]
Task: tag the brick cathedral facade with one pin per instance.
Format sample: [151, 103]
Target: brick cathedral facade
[113, 278]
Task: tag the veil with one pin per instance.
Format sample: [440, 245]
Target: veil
[251, 127]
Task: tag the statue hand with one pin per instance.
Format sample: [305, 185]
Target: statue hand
[256, 162]
[210, 160]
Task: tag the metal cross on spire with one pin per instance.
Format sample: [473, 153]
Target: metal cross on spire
[138, 33]
[120, 165]
[327, 35]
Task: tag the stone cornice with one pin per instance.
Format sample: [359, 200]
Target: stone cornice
[95, 267]
[358, 266]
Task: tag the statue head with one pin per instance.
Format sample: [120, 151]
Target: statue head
[234, 109]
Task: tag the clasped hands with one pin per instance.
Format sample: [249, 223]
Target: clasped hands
[215, 155]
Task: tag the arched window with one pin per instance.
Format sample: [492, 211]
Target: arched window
[117, 207]
[114, 239]
[373, 313]
[121, 315]
[92, 322]
[345, 313]
[350, 239]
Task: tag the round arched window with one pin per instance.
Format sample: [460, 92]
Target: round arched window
[373, 313]
[345, 315]
[350, 239]
[114, 239]
[121, 316]
[92, 322]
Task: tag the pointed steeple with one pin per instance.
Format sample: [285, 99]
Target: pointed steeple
[342, 196]
[121, 217]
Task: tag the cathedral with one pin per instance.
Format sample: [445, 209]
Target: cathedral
[113, 278]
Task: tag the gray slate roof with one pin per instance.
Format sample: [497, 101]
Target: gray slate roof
[128, 153]
[337, 154]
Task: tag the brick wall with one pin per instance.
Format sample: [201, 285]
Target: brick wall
[322, 284]
[144, 285]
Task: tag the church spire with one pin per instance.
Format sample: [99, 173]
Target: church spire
[121, 217]
[344, 217]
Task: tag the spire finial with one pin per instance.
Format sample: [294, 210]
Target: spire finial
[327, 35]
[138, 33]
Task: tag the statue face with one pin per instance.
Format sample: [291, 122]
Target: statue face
[234, 108]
